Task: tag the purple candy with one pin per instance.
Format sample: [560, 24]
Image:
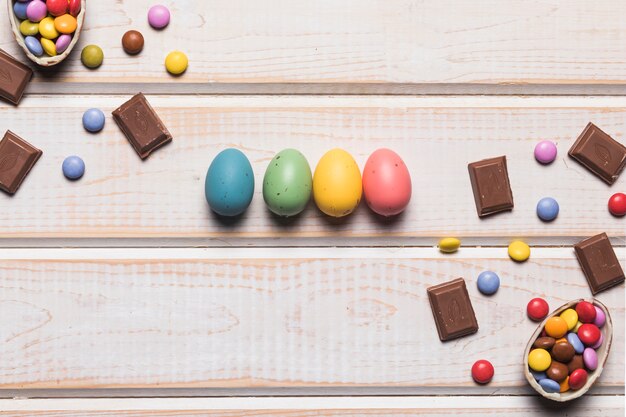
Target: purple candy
[598, 343]
[545, 152]
[19, 9]
[600, 317]
[590, 359]
[158, 16]
[62, 43]
[36, 10]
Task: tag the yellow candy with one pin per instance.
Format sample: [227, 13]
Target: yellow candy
[571, 318]
[539, 360]
[29, 28]
[46, 28]
[564, 385]
[176, 62]
[577, 327]
[449, 244]
[48, 46]
[65, 24]
[556, 327]
[519, 251]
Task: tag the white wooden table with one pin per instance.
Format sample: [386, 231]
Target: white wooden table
[122, 295]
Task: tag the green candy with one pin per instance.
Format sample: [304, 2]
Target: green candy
[287, 183]
[29, 28]
[92, 56]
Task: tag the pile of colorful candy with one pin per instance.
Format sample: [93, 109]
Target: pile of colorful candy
[48, 27]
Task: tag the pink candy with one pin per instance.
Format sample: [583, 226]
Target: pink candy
[36, 10]
[158, 16]
[545, 152]
[62, 43]
[600, 317]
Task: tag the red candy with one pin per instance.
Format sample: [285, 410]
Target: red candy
[538, 309]
[482, 371]
[586, 312]
[57, 7]
[577, 379]
[617, 204]
[589, 334]
[74, 7]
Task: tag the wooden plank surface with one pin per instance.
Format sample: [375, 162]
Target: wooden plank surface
[162, 198]
[248, 318]
[355, 42]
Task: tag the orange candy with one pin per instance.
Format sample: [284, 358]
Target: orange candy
[564, 386]
[556, 327]
[65, 24]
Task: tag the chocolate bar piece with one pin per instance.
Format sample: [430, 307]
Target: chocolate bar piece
[141, 125]
[452, 309]
[599, 263]
[599, 153]
[490, 183]
[14, 76]
[17, 158]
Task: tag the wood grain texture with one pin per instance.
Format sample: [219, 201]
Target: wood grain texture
[122, 196]
[273, 320]
[356, 41]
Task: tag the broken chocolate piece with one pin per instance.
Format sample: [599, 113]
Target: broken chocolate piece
[599, 153]
[14, 77]
[491, 187]
[599, 263]
[17, 158]
[452, 309]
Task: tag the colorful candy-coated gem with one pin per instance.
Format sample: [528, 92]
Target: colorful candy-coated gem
[488, 282]
[519, 251]
[538, 375]
[600, 317]
[545, 151]
[547, 209]
[586, 312]
[47, 29]
[539, 360]
[571, 318]
[75, 7]
[549, 385]
[556, 327]
[482, 371]
[564, 387]
[573, 340]
[93, 120]
[73, 167]
[577, 379]
[28, 28]
[36, 10]
[449, 244]
[132, 42]
[19, 9]
[590, 359]
[537, 309]
[562, 351]
[57, 7]
[158, 16]
[65, 24]
[589, 334]
[33, 45]
[599, 342]
[577, 327]
[62, 43]
[48, 46]
[176, 62]
[92, 56]
[575, 363]
[617, 204]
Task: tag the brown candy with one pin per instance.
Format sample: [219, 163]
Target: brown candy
[132, 42]
[544, 343]
[563, 351]
[557, 371]
[575, 363]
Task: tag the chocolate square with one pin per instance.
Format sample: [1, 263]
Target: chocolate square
[141, 125]
[599, 153]
[14, 77]
[599, 263]
[491, 187]
[17, 158]
[452, 309]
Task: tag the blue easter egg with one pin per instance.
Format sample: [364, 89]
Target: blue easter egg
[229, 184]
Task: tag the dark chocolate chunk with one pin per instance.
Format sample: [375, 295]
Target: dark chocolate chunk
[452, 309]
[14, 77]
[141, 125]
[599, 153]
[599, 263]
[17, 158]
[490, 183]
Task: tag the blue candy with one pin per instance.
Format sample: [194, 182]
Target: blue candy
[574, 340]
[33, 45]
[538, 375]
[547, 209]
[93, 120]
[19, 9]
[488, 282]
[549, 385]
[73, 167]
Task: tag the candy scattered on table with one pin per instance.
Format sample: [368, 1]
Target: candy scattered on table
[482, 371]
[229, 183]
[452, 309]
[176, 62]
[519, 251]
[545, 152]
[491, 187]
[547, 209]
[158, 16]
[20, 156]
[337, 185]
[93, 120]
[288, 183]
[132, 42]
[449, 244]
[386, 183]
[488, 282]
[599, 263]
[92, 56]
[537, 309]
[73, 167]
[617, 204]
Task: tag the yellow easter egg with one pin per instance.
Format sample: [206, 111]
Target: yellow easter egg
[337, 186]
